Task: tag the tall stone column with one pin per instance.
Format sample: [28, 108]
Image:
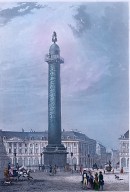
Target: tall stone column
[55, 152]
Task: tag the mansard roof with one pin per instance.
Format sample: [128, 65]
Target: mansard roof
[75, 135]
[125, 136]
[24, 135]
[66, 135]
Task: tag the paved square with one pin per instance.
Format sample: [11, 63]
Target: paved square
[64, 181]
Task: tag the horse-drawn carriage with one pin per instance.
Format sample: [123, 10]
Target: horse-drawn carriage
[14, 174]
[108, 167]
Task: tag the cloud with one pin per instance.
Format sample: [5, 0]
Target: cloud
[82, 21]
[6, 15]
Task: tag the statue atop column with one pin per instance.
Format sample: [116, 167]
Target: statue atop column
[54, 37]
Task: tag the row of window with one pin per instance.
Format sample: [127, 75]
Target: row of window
[24, 151]
[36, 150]
[74, 150]
[26, 161]
[124, 153]
[31, 138]
[10, 144]
[70, 144]
[25, 144]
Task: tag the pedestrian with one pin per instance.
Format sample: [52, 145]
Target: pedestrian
[84, 179]
[96, 183]
[91, 181]
[54, 169]
[50, 169]
[101, 181]
[10, 169]
[9, 166]
[113, 170]
[17, 166]
[88, 182]
[81, 169]
[43, 168]
[122, 171]
[75, 167]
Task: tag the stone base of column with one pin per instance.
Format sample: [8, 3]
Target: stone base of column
[55, 155]
[4, 159]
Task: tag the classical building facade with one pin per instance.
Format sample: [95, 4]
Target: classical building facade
[124, 151]
[27, 148]
[81, 149]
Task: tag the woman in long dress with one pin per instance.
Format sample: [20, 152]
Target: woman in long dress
[96, 183]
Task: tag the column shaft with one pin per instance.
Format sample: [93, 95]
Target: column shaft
[54, 104]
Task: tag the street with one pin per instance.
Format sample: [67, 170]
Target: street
[64, 181]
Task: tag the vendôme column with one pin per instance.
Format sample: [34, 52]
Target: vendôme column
[55, 152]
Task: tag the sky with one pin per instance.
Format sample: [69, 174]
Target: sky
[93, 40]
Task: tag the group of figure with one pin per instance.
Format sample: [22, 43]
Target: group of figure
[16, 172]
[92, 182]
[53, 170]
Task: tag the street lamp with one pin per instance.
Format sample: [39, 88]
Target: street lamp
[41, 160]
[71, 160]
[15, 159]
[88, 161]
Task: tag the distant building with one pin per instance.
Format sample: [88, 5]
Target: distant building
[28, 147]
[108, 157]
[115, 158]
[101, 155]
[81, 149]
[124, 151]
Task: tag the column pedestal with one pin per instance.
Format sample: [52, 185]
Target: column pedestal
[55, 155]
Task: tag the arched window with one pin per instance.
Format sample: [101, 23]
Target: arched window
[74, 161]
[20, 161]
[30, 161]
[36, 161]
[68, 160]
[123, 162]
[26, 161]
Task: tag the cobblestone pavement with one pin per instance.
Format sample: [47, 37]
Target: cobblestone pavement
[63, 182]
